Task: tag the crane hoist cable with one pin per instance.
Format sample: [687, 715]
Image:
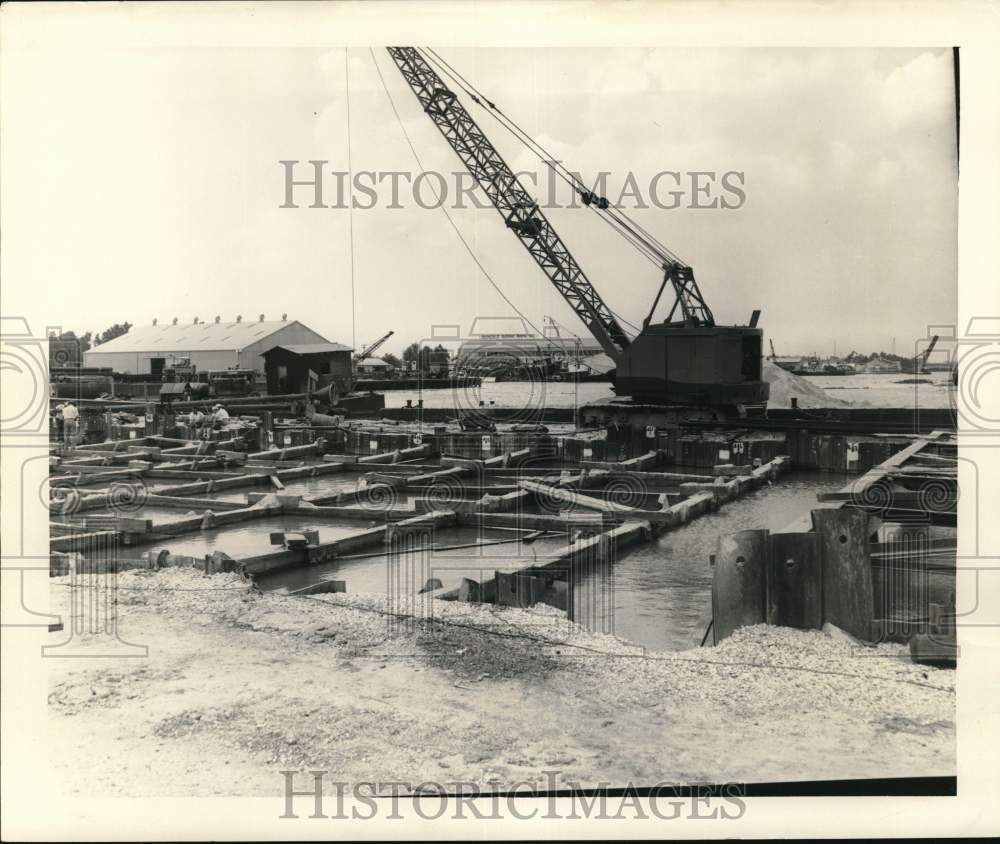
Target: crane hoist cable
[572, 179]
[441, 205]
[728, 382]
[519, 210]
[652, 250]
[620, 218]
[575, 184]
[639, 238]
[599, 203]
[350, 211]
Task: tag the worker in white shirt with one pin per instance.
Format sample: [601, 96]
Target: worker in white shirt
[71, 417]
[196, 421]
[219, 416]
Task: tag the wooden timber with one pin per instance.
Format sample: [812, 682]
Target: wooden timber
[537, 521]
[325, 551]
[641, 463]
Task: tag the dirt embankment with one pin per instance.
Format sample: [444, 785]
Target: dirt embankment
[240, 686]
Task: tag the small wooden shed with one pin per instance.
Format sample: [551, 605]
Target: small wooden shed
[289, 369]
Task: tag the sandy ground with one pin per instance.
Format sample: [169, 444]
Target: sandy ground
[239, 686]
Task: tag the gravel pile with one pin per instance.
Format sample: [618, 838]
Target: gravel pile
[785, 385]
[763, 669]
[757, 669]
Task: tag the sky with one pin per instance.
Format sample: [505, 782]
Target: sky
[148, 184]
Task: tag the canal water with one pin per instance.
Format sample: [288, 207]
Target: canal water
[372, 571]
[886, 390]
[659, 594]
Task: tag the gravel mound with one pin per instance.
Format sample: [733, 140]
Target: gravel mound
[762, 668]
[758, 666]
[785, 386]
[399, 689]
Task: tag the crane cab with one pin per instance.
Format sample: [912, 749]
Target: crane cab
[717, 365]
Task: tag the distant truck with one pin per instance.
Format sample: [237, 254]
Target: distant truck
[184, 383]
[230, 382]
[183, 391]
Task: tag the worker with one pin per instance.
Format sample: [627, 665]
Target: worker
[219, 417]
[71, 418]
[60, 422]
[196, 421]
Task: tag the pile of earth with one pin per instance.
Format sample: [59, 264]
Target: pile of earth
[785, 386]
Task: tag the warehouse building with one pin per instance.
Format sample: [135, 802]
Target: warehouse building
[375, 368]
[149, 349]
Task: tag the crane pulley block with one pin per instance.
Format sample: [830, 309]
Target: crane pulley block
[591, 198]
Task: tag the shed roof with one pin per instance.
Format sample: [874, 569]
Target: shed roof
[374, 362]
[312, 348]
[189, 337]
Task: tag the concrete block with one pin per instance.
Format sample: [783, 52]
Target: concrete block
[431, 584]
[469, 591]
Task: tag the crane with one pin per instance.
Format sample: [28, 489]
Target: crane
[374, 347]
[578, 365]
[556, 328]
[917, 364]
[686, 358]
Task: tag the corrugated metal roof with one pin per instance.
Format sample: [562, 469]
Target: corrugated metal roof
[374, 362]
[311, 348]
[205, 336]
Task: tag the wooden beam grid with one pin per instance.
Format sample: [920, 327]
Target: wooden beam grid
[490, 492]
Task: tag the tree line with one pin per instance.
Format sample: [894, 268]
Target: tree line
[89, 340]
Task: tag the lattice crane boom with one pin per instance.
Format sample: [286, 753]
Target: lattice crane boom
[374, 347]
[519, 210]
